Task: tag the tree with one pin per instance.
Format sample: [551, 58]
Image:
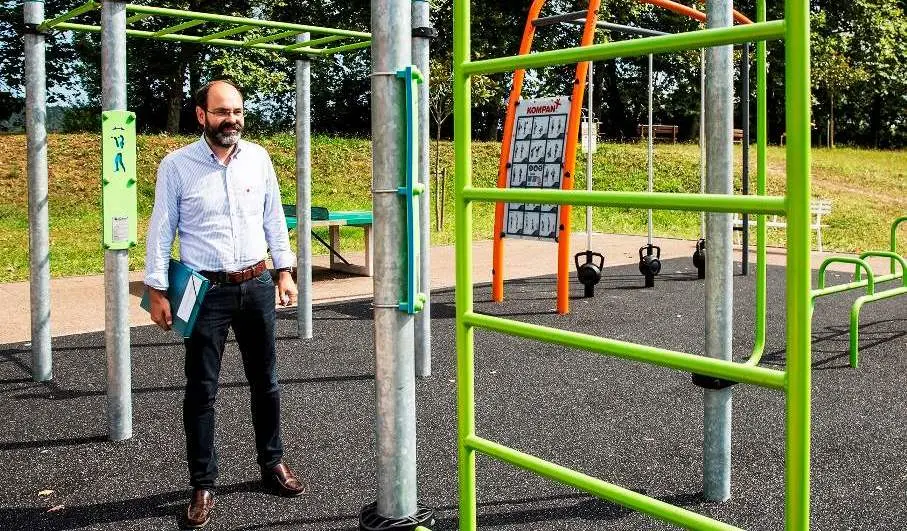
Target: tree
[833, 70]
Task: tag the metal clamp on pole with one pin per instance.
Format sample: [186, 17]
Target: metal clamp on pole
[711, 382]
[414, 300]
[426, 32]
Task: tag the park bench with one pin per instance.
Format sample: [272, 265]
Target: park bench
[738, 136]
[321, 217]
[817, 208]
[659, 131]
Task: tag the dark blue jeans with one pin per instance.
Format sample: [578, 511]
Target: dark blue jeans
[249, 309]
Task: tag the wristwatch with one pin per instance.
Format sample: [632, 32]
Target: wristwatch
[284, 269]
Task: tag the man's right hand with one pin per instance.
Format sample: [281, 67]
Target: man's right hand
[160, 308]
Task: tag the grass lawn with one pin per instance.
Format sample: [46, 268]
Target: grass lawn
[868, 190]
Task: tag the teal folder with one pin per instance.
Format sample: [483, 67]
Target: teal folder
[186, 293]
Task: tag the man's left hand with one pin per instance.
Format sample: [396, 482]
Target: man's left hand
[286, 289]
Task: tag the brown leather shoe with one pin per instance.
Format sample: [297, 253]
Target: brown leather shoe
[199, 512]
[282, 481]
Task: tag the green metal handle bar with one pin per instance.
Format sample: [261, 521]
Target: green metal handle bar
[894, 236]
[750, 204]
[707, 38]
[672, 359]
[855, 319]
[761, 170]
[859, 263]
[609, 491]
[895, 258]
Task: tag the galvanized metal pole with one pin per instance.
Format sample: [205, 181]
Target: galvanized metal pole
[116, 262]
[745, 143]
[650, 150]
[589, 154]
[394, 363]
[304, 193]
[719, 258]
[421, 58]
[38, 224]
[702, 150]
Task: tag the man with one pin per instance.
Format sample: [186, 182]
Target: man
[220, 194]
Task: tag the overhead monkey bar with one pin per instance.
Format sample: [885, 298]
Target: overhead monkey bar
[189, 19]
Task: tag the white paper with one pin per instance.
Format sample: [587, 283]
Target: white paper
[189, 297]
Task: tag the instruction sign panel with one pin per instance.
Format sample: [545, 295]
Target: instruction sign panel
[536, 161]
[118, 183]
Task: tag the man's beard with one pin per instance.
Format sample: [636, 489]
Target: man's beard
[221, 136]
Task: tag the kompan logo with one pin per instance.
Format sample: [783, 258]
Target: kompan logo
[545, 109]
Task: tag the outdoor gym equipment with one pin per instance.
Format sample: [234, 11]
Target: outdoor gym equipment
[560, 228]
[699, 258]
[589, 273]
[650, 263]
[392, 78]
[869, 283]
[793, 380]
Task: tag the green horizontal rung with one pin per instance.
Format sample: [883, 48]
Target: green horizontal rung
[672, 359]
[226, 33]
[750, 204]
[178, 27]
[316, 42]
[620, 495]
[84, 8]
[759, 31]
[273, 37]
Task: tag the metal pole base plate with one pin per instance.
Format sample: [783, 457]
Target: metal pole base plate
[370, 520]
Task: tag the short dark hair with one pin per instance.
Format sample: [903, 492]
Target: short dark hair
[201, 95]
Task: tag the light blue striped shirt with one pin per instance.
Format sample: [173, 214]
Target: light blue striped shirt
[226, 216]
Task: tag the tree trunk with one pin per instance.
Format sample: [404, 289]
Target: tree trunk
[831, 120]
[175, 99]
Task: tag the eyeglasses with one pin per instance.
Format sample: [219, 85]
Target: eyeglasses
[226, 113]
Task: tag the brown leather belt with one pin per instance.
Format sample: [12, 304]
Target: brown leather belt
[235, 277]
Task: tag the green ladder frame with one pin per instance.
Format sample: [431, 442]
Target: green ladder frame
[225, 26]
[794, 381]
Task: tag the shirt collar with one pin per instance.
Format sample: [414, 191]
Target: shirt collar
[208, 154]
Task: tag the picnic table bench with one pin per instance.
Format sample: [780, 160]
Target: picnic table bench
[659, 131]
[817, 208]
[321, 217]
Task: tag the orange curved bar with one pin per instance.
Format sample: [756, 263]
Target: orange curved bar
[497, 261]
[576, 106]
[693, 13]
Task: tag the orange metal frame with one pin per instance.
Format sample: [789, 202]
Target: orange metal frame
[576, 103]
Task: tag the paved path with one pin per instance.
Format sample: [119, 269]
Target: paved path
[77, 303]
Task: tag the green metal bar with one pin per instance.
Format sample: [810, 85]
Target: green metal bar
[641, 200]
[858, 262]
[895, 258]
[798, 102]
[87, 6]
[272, 37]
[188, 38]
[894, 237]
[761, 170]
[855, 319]
[346, 48]
[177, 28]
[136, 18]
[178, 13]
[628, 498]
[226, 33]
[316, 42]
[672, 359]
[466, 411]
[632, 48]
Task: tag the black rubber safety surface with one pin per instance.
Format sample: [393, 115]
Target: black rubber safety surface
[636, 425]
